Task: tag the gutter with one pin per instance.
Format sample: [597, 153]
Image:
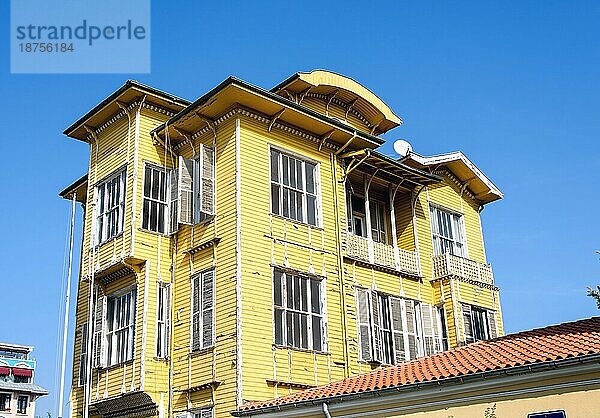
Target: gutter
[517, 372]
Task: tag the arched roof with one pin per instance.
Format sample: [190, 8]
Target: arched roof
[379, 114]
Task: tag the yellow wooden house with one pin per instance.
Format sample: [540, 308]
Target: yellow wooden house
[255, 243]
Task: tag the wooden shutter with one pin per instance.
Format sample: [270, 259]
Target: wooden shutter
[430, 334]
[208, 281]
[196, 312]
[398, 330]
[174, 192]
[100, 308]
[207, 187]
[375, 327]
[491, 316]
[83, 354]
[467, 323]
[363, 314]
[411, 328]
[186, 191]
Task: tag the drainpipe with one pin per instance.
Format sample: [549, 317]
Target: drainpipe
[326, 413]
[136, 144]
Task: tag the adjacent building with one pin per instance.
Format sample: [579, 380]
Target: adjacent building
[18, 392]
[551, 372]
[255, 243]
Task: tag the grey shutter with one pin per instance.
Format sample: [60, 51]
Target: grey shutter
[376, 328]
[411, 329]
[208, 281]
[467, 323]
[429, 329]
[196, 312]
[363, 316]
[208, 181]
[186, 191]
[398, 329]
[174, 192]
[491, 316]
[99, 357]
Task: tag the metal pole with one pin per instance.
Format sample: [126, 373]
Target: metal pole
[66, 327]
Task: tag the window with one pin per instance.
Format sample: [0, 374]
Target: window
[479, 323]
[298, 311]
[22, 403]
[4, 402]
[197, 187]
[392, 329]
[162, 320]
[551, 414]
[358, 217]
[120, 321]
[294, 188]
[83, 355]
[158, 206]
[203, 310]
[203, 413]
[448, 232]
[110, 207]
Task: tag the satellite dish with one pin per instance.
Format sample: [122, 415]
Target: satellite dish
[402, 147]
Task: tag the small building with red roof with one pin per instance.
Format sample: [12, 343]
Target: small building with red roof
[551, 372]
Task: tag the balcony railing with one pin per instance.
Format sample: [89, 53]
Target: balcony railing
[445, 265]
[381, 254]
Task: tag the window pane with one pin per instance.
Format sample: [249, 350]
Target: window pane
[147, 181]
[315, 296]
[311, 210]
[290, 329]
[310, 177]
[286, 202]
[279, 326]
[277, 296]
[290, 291]
[274, 166]
[275, 199]
[303, 331]
[299, 206]
[303, 295]
[296, 327]
[299, 181]
[316, 333]
[286, 170]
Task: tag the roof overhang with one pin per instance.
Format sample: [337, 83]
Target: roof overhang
[78, 188]
[464, 169]
[128, 93]
[345, 89]
[390, 170]
[234, 92]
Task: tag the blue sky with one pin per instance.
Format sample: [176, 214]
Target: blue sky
[512, 84]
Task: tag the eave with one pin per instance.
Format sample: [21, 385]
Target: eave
[234, 92]
[79, 188]
[128, 93]
[464, 169]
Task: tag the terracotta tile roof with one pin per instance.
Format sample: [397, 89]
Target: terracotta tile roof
[552, 343]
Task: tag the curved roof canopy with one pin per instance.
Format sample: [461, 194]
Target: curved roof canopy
[380, 116]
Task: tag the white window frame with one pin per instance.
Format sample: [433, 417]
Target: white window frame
[205, 412]
[109, 217]
[163, 316]
[377, 210]
[310, 316]
[111, 336]
[458, 242]
[280, 186]
[19, 410]
[166, 204]
[200, 277]
[9, 397]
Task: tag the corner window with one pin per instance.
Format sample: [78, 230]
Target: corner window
[22, 403]
[120, 322]
[110, 207]
[294, 188]
[203, 310]
[392, 330]
[479, 323]
[448, 232]
[4, 402]
[157, 186]
[298, 311]
[162, 319]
